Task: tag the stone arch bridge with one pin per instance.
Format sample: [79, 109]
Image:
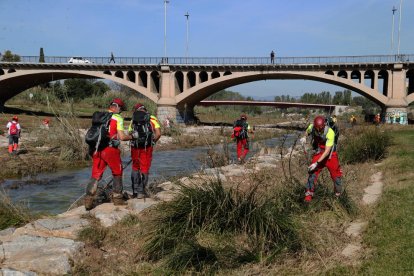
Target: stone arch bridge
[176, 85]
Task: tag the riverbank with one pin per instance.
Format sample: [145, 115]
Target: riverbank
[107, 229]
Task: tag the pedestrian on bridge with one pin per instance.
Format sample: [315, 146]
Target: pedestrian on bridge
[325, 155]
[272, 57]
[112, 58]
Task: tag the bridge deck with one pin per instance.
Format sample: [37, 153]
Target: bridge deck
[231, 61]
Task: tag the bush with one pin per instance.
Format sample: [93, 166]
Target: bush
[212, 209]
[369, 144]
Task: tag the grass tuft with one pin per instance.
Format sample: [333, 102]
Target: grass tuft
[12, 215]
[213, 209]
[370, 144]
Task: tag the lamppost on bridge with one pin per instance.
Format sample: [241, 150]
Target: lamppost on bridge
[399, 29]
[392, 30]
[165, 29]
[186, 48]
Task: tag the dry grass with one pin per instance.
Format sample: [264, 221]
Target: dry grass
[12, 215]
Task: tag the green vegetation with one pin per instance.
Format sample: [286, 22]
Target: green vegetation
[369, 143]
[258, 224]
[390, 235]
[209, 227]
[235, 96]
[12, 215]
[339, 98]
[8, 56]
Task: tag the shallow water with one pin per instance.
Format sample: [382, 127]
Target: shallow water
[54, 192]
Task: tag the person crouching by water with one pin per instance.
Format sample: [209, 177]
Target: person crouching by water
[13, 132]
[107, 153]
[241, 131]
[323, 142]
[145, 130]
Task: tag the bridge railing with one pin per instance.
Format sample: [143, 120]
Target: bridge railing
[229, 60]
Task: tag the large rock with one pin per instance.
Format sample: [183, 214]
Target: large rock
[109, 214]
[138, 205]
[39, 254]
[63, 227]
[12, 272]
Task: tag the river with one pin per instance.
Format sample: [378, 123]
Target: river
[53, 193]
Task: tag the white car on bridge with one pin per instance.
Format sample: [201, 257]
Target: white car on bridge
[78, 60]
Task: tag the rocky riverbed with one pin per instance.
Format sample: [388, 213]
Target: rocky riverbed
[48, 245]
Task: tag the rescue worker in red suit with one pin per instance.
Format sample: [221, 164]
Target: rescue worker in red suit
[109, 156]
[141, 155]
[323, 142]
[242, 140]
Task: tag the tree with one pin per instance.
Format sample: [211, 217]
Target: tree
[41, 56]
[338, 98]
[78, 89]
[8, 56]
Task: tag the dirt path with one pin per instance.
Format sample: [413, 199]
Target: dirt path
[354, 230]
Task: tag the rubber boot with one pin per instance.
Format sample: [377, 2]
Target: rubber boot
[338, 186]
[15, 147]
[10, 149]
[91, 188]
[136, 181]
[141, 188]
[310, 188]
[117, 196]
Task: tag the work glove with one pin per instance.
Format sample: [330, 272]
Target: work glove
[312, 167]
[135, 135]
[302, 141]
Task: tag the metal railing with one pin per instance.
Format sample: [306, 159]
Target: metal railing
[323, 60]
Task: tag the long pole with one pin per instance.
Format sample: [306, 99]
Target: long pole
[165, 28]
[186, 48]
[392, 30]
[399, 29]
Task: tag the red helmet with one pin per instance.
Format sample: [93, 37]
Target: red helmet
[139, 106]
[15, 118]
[319, 122]
[119, 102]
[243, 116]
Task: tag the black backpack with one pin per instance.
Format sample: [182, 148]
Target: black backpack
[97, 135]
[240, 129]
[142, 125]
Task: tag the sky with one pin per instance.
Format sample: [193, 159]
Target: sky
[216, 28]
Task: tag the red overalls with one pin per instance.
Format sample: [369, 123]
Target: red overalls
[110, 155]
[331, 162]
[142, 157]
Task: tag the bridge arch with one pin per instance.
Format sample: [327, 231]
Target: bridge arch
[356, 75]
[383, 75]
[192, 78]
[410, 79]
[13, 84]
[342, 74]
[196, 94]
[203, 76]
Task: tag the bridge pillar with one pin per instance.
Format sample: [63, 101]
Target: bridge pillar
[166, 105]
[179, 115]
[396, 115]
[396, 108]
